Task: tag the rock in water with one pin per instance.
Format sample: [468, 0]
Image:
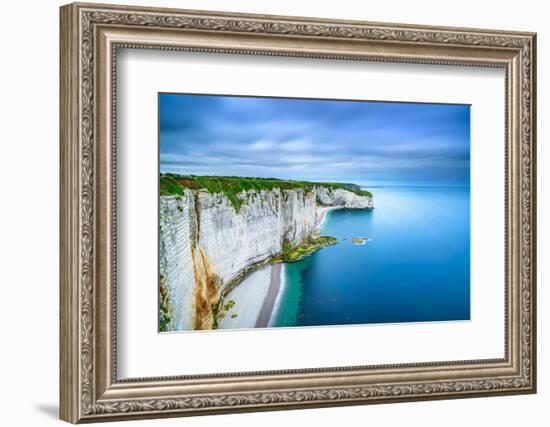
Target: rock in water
[359, 240]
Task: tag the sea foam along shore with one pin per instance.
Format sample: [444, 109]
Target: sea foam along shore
[279, 297]
[272, 298]
[258, 297]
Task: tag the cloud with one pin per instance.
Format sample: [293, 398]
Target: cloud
[262, 145]
[314, 139]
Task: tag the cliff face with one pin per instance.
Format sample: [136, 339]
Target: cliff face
[205, 244]
[177, 233]
[344, 198]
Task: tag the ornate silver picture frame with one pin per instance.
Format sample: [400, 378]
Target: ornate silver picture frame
[91, 35]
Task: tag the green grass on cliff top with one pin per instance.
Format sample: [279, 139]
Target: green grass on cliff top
[230, 186]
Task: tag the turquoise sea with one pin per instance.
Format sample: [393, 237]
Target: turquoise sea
[415, 268]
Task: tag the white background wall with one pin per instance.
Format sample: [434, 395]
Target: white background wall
[29, 170]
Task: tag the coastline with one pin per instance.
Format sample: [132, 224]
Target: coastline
[277, 304]
[263, 300]
[247, 224]
[272, 297]
[323, 212]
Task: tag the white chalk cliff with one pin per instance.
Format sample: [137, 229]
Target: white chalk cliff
[205, 244]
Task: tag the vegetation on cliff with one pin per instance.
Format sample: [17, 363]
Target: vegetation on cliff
[220, 310]
[310, 244]
[231, 186]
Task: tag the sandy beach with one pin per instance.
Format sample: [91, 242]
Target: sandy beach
[269, 301]
[254, 299]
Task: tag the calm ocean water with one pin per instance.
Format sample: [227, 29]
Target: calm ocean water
[416, 267]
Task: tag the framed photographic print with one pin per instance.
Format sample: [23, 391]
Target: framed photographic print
[265, 212]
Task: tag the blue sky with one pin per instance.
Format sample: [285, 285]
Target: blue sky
[369, 143]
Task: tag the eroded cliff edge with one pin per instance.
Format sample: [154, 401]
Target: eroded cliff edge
[208, 242]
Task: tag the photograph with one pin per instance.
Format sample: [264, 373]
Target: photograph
[290, 212]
